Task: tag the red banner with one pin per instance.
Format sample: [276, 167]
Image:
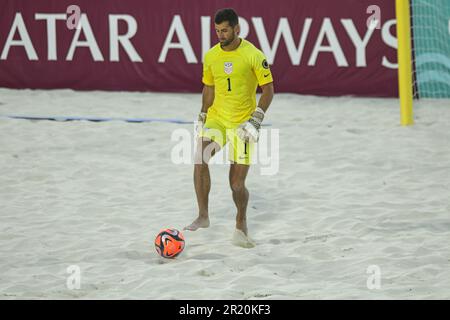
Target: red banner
[319, 47]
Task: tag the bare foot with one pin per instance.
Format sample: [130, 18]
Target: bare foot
[240, 239]
[200, 222]
[242, 226]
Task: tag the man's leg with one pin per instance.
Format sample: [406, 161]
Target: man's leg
[238, 173]
[202, 181]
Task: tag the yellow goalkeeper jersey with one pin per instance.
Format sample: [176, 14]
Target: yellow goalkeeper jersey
[235, 76]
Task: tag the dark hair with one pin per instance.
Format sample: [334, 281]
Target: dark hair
[227, 14]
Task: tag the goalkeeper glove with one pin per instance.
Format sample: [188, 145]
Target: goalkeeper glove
[200, 122]
[249, 130]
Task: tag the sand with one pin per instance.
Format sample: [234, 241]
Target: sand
[355, 196]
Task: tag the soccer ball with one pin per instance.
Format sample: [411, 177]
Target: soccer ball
[169, 243]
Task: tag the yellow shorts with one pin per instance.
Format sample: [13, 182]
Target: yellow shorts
[222, 133]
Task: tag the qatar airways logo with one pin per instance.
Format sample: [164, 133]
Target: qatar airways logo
[80, 22]
[295, 49]
[178, 39]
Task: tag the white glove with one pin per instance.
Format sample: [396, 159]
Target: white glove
[200, 122]
[249, 130]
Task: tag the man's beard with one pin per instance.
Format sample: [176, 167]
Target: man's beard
[227, 42]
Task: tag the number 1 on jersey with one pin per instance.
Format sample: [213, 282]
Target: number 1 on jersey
[229, 84]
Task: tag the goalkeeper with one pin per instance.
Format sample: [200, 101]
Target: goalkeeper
[232, 71]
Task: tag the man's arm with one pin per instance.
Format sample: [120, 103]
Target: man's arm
[207, 101]
[266, 96]
[250, 130]
[207, 97]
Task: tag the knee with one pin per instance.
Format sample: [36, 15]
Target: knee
[199, 159]
[237, 185]
[200, 167]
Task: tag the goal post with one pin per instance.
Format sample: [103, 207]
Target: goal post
[405, 62]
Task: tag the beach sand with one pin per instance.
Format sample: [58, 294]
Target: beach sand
[355, 196]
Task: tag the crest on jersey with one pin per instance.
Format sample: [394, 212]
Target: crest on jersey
[228, 67]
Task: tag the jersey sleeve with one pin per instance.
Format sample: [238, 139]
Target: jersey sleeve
[261, 68]
[207, 78]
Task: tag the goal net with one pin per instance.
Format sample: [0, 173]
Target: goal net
[430, 26]
[423, 32]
